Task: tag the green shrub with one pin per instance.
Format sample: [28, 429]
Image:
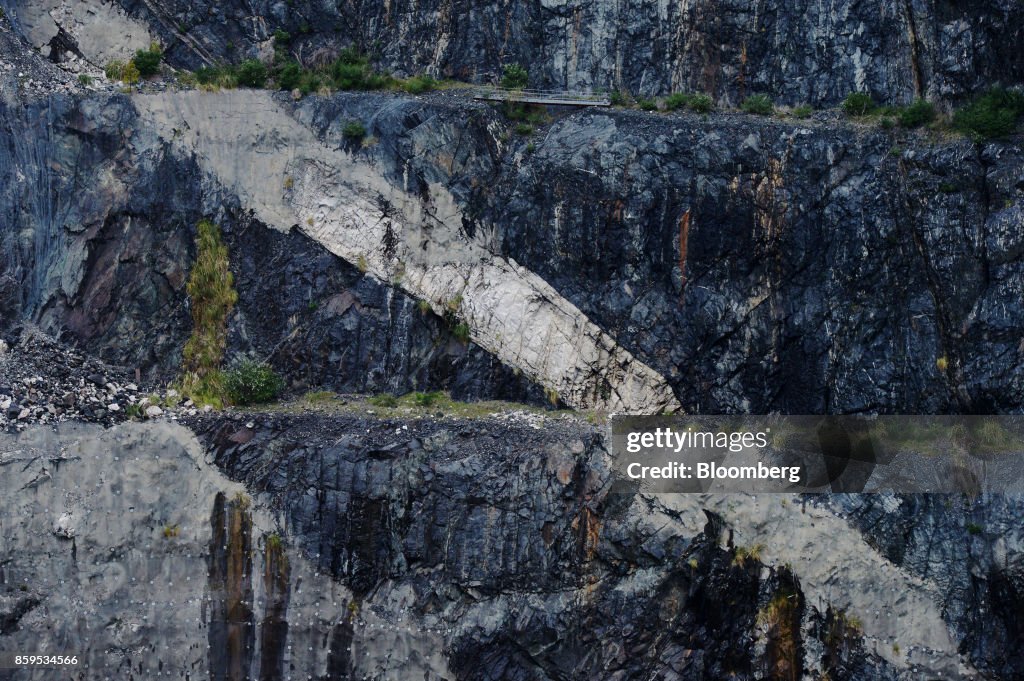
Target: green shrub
[524, 129]
[858, 104]
[118, 70]
[426, 399]
[760, 105]
[919, 113]
[461, 331]
[207, 75]
[148, 61]
[289, 77]
[352, 55]
[252, 382]
[514, 77]
[384, 400]
[419, 84]
[378, 81]
[619, 98]
[702, 103]
[802, 111]
[354, 131]
[84, 79]
[647, 104]
[349, 76]
[310, 82]
[991, 116]
[351, 72]
[131, 73]
[114, 69]
[887, 123]
[252, 73]
[282, 38]
[677, 100]
[212, 296]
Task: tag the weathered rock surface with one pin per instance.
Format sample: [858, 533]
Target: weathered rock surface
[733, 261]
[512, 543]
[618, 259]
[798, 52]
[121, 546]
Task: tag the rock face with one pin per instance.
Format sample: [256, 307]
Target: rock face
[610, 259]
[802, 52]
[619, 258]
[508, 539]
[145, 562]
[484, 549]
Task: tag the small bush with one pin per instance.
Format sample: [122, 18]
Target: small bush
[131, 73]
[461, 331]
[677, 100]
[991, 116]
[349, 76]
[426, 399]
[760, 105]
[858, 104]
[974, 528]
[282, 38]
[524, 129]
[84, 79]
[207, 75]
[419, 84]
[619, 98]
[702, 103]
[114, 69]
[252, 382]
[290, 76]
[424, 307]
[887, 123]
[352, 55]
[252, 73]
[647, 104]
[802, 111]
[310, 82]
[148, 61]
[919, 113]
[514, 77]
[384, 400]
[354, 131]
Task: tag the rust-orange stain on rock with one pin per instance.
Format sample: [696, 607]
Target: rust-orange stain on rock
[588, 533]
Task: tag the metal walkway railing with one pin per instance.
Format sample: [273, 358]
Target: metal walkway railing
[552, 97]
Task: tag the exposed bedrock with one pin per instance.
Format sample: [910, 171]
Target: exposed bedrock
[508, 540]
[122, 547]
[100, 241]
[798, 52]
[618, 259]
